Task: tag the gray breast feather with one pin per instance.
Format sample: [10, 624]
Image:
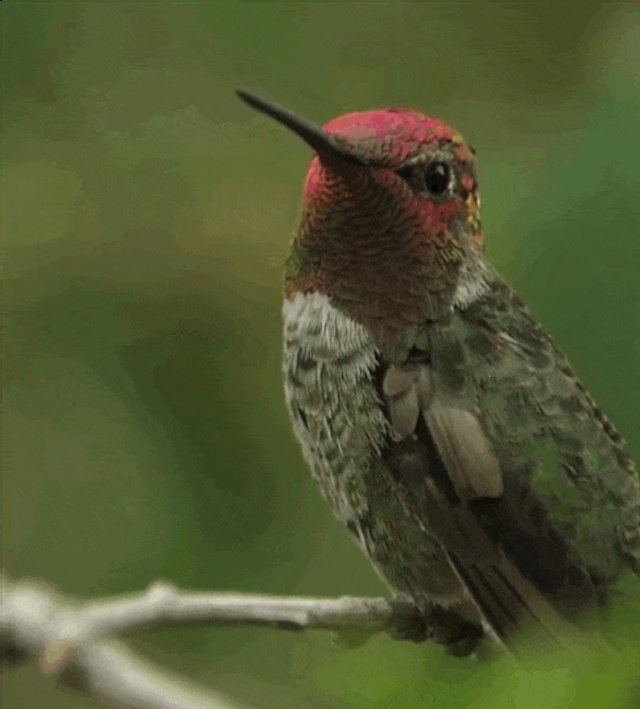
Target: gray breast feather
[329, 362]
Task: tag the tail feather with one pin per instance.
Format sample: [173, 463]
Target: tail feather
[507, 599]
[509, 603]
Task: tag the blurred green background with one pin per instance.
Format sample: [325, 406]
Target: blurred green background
[146, 215]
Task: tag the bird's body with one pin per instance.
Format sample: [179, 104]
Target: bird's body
[568, 512]
[444, 427]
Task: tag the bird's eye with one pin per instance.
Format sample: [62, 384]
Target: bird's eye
[437, 177]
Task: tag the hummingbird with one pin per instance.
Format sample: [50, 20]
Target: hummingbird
[444, 427]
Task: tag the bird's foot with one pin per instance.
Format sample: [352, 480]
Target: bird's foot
[459, 636]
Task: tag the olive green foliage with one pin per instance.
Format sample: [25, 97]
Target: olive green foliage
[146, 215]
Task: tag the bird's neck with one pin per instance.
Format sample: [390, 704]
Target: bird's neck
[380, 285]
[474, 279]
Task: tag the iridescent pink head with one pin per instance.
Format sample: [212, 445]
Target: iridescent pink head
[390, 213]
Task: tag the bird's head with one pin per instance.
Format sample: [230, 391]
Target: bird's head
[390, 214]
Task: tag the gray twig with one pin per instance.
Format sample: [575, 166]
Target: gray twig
[107, 670]
[70, 638]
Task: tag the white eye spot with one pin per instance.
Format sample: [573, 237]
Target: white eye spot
[437, 177]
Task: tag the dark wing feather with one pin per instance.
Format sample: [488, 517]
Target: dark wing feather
[513, 468]
[463, 446]
[506, 598]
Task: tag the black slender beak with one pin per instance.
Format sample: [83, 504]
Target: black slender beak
[326, 145]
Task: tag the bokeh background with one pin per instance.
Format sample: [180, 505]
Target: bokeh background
[146, 215]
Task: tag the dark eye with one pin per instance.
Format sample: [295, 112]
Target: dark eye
[437, 177]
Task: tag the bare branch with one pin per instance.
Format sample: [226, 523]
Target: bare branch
[69, 637]
[106, 670]
[164, 604]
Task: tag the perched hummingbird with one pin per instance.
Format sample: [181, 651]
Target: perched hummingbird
[444, 427]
